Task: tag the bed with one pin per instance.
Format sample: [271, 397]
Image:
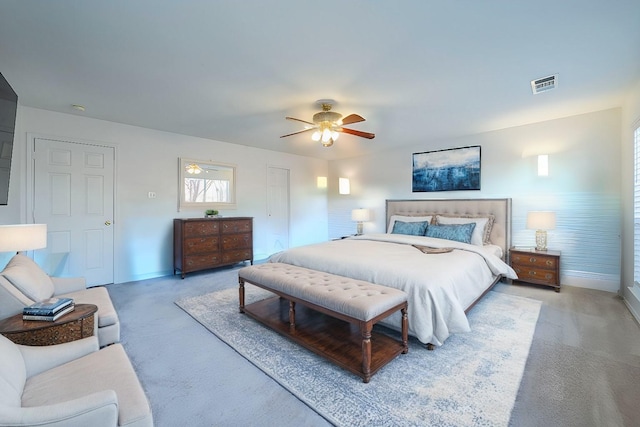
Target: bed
[443, 278]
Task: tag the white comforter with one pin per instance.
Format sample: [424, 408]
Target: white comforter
[440, 286]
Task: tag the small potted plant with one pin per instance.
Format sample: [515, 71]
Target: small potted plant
[210, 213]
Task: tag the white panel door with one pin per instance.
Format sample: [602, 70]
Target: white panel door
[277, 209]
[73, 195]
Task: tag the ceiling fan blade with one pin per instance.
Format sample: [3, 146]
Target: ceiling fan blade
[299, 120]
[295, 133]
[358, 133]
[352, 118]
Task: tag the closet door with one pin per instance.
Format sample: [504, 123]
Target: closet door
[277, 209]
[74, 196]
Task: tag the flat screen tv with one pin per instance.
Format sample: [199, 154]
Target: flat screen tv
[8, 109]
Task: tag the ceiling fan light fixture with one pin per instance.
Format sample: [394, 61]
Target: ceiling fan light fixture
[327, 125]
[193, 168]
[326, 135]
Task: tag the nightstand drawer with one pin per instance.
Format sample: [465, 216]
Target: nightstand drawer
[537, 275]
[534, 260]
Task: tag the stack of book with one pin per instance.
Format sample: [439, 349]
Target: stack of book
[48, 310]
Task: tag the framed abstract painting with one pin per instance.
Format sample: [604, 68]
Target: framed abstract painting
[453, 169]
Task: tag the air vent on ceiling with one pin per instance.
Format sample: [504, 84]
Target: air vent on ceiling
[544, 84]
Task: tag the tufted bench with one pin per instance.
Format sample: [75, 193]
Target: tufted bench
[354, 301]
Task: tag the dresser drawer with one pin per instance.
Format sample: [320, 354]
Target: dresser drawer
[198, 262]
[200, 245]
[200, 228]
[534, 260]
[236, 241]
[237, 256]
[536, 275]
[237, 226]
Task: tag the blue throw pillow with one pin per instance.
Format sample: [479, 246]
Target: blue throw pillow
[413, 228]
[458, 232]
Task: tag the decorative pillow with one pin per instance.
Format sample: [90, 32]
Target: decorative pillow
[407, 218]
[458, 232]
[412, 228]
[482, 232]
[29, 278]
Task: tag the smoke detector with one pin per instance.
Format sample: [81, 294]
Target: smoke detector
[544, 84]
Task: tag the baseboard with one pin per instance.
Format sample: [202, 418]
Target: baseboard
[585, 279]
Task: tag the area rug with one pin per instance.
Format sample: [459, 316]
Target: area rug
[472, 380]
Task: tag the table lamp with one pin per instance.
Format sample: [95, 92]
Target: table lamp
[541, 221]
[360, 215]
[22, 237]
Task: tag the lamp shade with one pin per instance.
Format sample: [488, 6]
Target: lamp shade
[22, 237]
[541, 220]
[360, 215]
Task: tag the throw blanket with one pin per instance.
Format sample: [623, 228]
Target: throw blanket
[440, 286]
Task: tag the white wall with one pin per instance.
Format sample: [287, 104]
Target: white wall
[147, 160]
[583, 187]
[630, 121]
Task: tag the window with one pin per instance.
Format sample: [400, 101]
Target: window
[207, 185]
[636, 206]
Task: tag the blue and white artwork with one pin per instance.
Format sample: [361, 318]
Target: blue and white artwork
[454, 169]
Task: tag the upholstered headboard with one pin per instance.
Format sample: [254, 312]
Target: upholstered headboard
[499, 208]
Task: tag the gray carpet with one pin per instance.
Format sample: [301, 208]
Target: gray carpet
[472, 380]
[583, 368]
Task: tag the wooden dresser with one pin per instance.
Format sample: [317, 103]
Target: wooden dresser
[202, 243]
[537, 267]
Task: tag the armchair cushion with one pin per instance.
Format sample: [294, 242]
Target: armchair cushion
[27, 276]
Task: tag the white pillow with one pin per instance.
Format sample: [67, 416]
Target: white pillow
[405, 218]
[29, 278]
[481, 232]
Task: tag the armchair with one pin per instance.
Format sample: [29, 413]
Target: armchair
[23, 282]
[70, 384]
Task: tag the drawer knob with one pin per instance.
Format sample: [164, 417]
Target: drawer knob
[549, 262]
[532, 259]
[532, 273]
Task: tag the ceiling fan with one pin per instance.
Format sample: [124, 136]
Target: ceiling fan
[327, 125]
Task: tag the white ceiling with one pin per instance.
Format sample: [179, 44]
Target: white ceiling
[418, 70]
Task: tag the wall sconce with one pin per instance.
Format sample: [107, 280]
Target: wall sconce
[322, 182]
[543, 165]
[343, 186]
[541, 221]
[360, 215]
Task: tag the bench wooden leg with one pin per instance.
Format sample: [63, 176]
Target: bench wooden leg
[365, 330]
[241, 291]
[405, 330]
[292, 316]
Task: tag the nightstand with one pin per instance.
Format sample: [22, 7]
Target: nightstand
[536, 267]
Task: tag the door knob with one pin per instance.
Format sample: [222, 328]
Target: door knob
[107, 223]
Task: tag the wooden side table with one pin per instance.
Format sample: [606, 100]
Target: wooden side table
[537, 267]
[72, 326]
